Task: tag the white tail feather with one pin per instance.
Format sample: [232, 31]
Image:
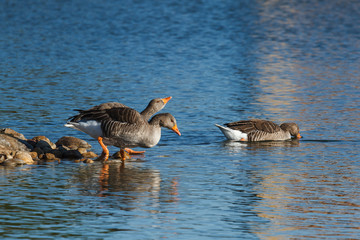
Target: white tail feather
[92, 128]
[232, 134]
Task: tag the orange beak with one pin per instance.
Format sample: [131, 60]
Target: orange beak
[175, 129]
[165, 100]
[298, 136]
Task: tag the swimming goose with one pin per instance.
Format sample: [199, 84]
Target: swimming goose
[122, 127]
[259, 130]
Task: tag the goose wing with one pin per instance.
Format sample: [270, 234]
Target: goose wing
[254, 125]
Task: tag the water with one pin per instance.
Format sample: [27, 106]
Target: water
[221, 61]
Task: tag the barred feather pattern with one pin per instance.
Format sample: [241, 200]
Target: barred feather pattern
[265, 136]
[260, 130]
[248, 126]
[127, 115]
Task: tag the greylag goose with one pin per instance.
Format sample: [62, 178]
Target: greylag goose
[154, 106]
[259, 130]
[122, 127]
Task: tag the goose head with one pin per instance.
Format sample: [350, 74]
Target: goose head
[292, 128]
[166, 120]
[158, 103]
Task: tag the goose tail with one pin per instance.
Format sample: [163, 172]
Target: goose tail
[232, 134]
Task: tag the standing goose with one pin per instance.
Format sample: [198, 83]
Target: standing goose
[154, 106]
[259, 130]
[122, 127]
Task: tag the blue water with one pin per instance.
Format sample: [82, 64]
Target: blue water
[221, 61]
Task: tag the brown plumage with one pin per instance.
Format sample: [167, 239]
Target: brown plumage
[122, 126]
[259, 130]
[154, 106]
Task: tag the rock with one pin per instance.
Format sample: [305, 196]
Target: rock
[5, 155]
[88, 161]
[25, 157]
[63, 149]
[117, 155]
[9, 163]
[57, 153]
[50, 157]
[90, 155]
[8, 142]
[31, 142]
[82, 150]
[38, 150]
[73, 143]
[12, 133]
[72, 154]
[34, 155]
[44, 143]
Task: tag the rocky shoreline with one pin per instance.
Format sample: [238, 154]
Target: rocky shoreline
[16, 150]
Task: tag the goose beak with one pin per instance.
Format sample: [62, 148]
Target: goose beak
[298, 136]
[165, 100]
[175, 129]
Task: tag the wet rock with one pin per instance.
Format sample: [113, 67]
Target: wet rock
[117, 155]
[82, 150]
[8, 142]
[87, 160]
[44, 143]
[25, 157]
[89, 155]
[73, 143]
[31, 142]
[38, 150]
[34, 155]
[6, 154]
[13, 162]
[10, 163]
[57, 153]
[12, 133]
[50, 157]
[63, 149]
[72, 154]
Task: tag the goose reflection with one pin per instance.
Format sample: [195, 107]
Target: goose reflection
[237, 146]
[129, 185]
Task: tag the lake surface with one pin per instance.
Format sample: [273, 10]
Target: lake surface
[221, 61]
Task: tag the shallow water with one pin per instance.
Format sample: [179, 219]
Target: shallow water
[221, 61]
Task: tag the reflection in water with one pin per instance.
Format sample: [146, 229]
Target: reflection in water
[237, 146]
[131, 183]
[307, 194]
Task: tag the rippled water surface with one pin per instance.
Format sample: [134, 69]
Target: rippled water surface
[221, 61]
